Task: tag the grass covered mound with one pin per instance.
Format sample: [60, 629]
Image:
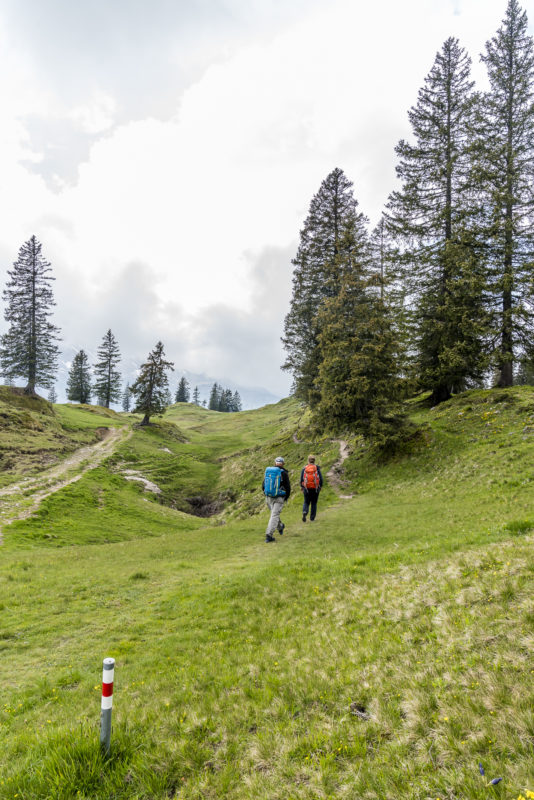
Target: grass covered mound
[34, 434]
[383, 651]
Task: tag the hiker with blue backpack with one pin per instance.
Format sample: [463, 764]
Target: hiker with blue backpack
[311, 482]
[276, 489]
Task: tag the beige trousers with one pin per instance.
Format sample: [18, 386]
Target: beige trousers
[276, 505]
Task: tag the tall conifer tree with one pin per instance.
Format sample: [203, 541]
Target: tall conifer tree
[505, 170]
[29, 348]
[151, 387]
[79, 380]
[333, 227]
[358, 374]
[431, 216]
[108, 379]
[196, 396]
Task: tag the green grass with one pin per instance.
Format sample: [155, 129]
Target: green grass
[241, 667]
[35, 434]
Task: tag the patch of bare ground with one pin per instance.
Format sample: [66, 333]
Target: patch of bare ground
[21, 500]
[335, 472]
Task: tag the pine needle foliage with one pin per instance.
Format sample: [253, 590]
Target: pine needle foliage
[107, 377]
[333, 228]
[358, 375]
[79, 380]
[126, 398]
[431, 216]
[29, 348]
[504, 153]
[152, 385]
[183, 392]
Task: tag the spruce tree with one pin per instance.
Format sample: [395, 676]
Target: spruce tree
[29, 348]
[196, 396]
[215, 397]
[431, 216]
[358, 378]
[388, 275]
[52, 395]
[333, 226]
[126, 398]
[79, 379]
[108, 379]
[182, 392]
[505, 170]
[236, 402]
[152, 385]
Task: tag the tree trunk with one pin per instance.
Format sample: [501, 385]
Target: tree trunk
[145, 420]
[440, 394]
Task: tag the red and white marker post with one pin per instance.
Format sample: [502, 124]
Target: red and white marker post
[107, 704]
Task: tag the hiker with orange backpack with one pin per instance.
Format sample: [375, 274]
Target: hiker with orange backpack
[311, 482]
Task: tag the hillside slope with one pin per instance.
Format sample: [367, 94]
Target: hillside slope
[383, 652]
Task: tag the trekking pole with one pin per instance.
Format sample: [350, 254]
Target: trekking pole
[107, 704]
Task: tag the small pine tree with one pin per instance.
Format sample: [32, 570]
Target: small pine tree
[225, 400]
[215, 397]
[236, 402]
[126, 398]
[79, 380]
[151, 387]
[182, 392]
[196, 396]
[107, 377]
[29, 348]
[52, 396]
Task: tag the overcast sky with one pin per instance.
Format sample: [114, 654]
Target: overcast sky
[165, 153]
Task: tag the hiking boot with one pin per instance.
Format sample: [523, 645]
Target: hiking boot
[281, 528]
[304, 517]
[269, 539]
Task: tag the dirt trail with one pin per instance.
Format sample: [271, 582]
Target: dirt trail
[334, 473]
[23, 499]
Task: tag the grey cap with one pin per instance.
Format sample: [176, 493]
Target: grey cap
[279, 460]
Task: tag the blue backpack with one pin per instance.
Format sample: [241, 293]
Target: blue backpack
[273, 482]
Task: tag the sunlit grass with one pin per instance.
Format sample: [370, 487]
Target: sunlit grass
[382, 652]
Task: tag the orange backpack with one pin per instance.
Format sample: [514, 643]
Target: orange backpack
[311, 477]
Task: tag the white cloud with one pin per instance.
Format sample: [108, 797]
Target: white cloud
[229, 173]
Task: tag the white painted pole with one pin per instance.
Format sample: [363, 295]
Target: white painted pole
[108, 673]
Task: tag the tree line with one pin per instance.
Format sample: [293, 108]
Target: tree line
[29, 349]
[439, 295]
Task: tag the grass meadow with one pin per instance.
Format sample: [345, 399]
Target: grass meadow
[383, 651]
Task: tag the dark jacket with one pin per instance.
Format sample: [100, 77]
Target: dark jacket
[284, 483]
[318, 472]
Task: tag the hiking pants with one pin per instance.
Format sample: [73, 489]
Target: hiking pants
[276, 505]
[310, 499]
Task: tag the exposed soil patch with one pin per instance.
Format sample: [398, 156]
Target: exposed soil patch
[204, 506]
[335, 472]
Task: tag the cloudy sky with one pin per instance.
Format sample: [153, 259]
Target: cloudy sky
[165, 153]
